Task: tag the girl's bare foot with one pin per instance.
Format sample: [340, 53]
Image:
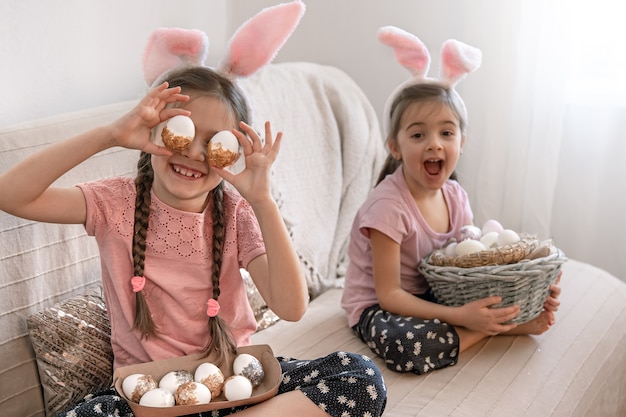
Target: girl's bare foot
[536, 326]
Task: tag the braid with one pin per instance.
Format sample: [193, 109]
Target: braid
[143, 184]
[221, 338]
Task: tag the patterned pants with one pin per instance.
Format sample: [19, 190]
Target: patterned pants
[342, 384]
[408, 344]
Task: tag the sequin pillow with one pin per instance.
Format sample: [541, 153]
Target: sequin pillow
[262, 313]
[72, 344]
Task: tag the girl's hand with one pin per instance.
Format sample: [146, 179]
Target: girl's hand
[481, 317]
[133, 129]
[253, 183]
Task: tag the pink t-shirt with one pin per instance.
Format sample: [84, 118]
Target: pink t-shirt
[177, 270]
[391, 210]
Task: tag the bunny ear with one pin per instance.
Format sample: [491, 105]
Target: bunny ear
[409, 50]
[173, 47]
[258, 40]
[458, 60]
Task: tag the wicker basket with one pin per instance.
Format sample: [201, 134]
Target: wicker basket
[525, 283]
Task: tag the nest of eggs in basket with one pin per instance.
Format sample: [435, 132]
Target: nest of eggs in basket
[198, 386]
[491, 245]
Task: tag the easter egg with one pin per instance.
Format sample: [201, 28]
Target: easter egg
[135, 386]
[157, 397]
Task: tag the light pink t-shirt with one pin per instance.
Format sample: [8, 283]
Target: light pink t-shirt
[177, 270]
[391, 210]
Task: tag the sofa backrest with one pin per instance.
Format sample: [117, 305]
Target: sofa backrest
[331, 154]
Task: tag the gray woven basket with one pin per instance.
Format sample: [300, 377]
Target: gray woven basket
[525, 283]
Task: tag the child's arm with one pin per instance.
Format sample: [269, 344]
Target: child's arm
[278, 274]
[475, 315]
[25, 189]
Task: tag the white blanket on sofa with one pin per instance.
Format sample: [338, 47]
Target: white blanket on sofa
[333, 153]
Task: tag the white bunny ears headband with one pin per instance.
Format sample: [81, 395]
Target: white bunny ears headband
[457, 60]
[254, 45]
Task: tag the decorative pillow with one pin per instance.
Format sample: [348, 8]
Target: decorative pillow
[72, 344]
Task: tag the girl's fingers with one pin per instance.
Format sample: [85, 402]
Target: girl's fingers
[253, 143]
[243, 140]
[508, 313]
[155, 149]
[170, 112]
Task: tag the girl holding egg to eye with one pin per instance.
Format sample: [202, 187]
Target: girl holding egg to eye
[415, 208]
[174, 239]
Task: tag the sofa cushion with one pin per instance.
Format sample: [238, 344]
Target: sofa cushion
[72, 344]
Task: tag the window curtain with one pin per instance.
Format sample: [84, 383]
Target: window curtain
[546, 150]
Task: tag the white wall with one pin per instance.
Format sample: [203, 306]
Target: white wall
[66, 55]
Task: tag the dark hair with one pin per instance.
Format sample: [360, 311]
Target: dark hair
[194, 81]
[419, 93]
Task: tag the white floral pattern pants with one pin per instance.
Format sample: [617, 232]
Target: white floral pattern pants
[408, 344]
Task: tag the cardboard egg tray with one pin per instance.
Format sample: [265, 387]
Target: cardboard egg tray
[267, 389]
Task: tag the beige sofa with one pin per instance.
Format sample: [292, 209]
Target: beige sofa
[330, 156]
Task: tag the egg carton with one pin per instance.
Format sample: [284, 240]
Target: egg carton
[158, 369]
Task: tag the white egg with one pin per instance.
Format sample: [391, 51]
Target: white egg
[176, 134]
[250, 367]
[450, 249]
[507, 237]
[469, 246]
[211, 376]
[157, 397]
[492, 225]
[237, 387]
[489, 239]
[223, 149]
[174, 379]
[192, 393]
[135, 386]
[181, 126]
[227, 139]
[469, 232]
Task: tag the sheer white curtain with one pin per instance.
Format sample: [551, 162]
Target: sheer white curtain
[547, 143]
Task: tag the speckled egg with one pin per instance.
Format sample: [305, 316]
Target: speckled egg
[223, 149]
[211, 376]
[192, 393]
[178, 132]
[136, 385]
[174, 379]
[249, 366]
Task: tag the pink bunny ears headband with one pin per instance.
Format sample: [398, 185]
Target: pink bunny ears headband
[254, 45]
[457, 60]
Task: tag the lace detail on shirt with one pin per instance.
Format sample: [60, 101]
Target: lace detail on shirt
[120, 217]
[174, 233]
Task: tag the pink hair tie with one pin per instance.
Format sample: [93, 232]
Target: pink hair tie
[138, 283]
[213, 307]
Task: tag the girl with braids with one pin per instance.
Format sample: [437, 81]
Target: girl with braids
[172, 241]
